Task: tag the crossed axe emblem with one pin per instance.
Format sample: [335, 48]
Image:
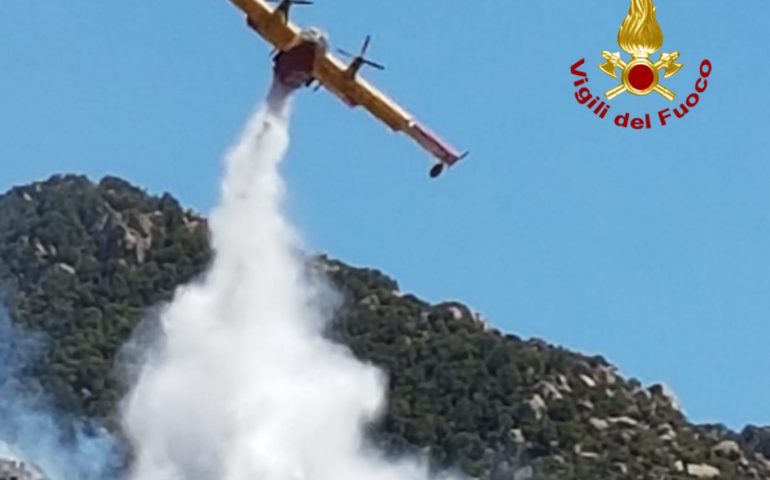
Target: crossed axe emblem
[640, 76]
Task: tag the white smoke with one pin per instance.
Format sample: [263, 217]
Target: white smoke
[244, 386]
[32, 431]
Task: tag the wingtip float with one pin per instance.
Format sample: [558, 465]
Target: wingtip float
[302, 58]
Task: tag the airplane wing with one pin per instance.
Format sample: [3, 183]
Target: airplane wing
[355, 91]
[275, 27]
[261, 18]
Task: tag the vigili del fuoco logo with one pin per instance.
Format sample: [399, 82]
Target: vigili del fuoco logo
[640, 36]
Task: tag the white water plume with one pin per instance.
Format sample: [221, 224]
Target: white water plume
[243, 385]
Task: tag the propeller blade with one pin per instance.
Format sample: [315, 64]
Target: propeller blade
[366, 45]
[361, 57]
[374, 64]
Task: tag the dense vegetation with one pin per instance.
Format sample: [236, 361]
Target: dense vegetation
[80, 262]
[83, 263]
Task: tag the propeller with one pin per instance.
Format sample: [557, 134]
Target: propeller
[361, 57]
[292, 2]
[285, 5]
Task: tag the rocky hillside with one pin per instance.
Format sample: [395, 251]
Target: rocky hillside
[82, 262]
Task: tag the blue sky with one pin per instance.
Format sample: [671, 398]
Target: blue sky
[649, 247]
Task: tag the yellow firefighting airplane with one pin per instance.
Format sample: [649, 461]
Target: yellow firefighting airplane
[302, 58]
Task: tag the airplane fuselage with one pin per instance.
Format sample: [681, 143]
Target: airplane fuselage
[294, 67]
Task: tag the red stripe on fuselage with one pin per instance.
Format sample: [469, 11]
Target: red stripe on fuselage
[435, 145]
